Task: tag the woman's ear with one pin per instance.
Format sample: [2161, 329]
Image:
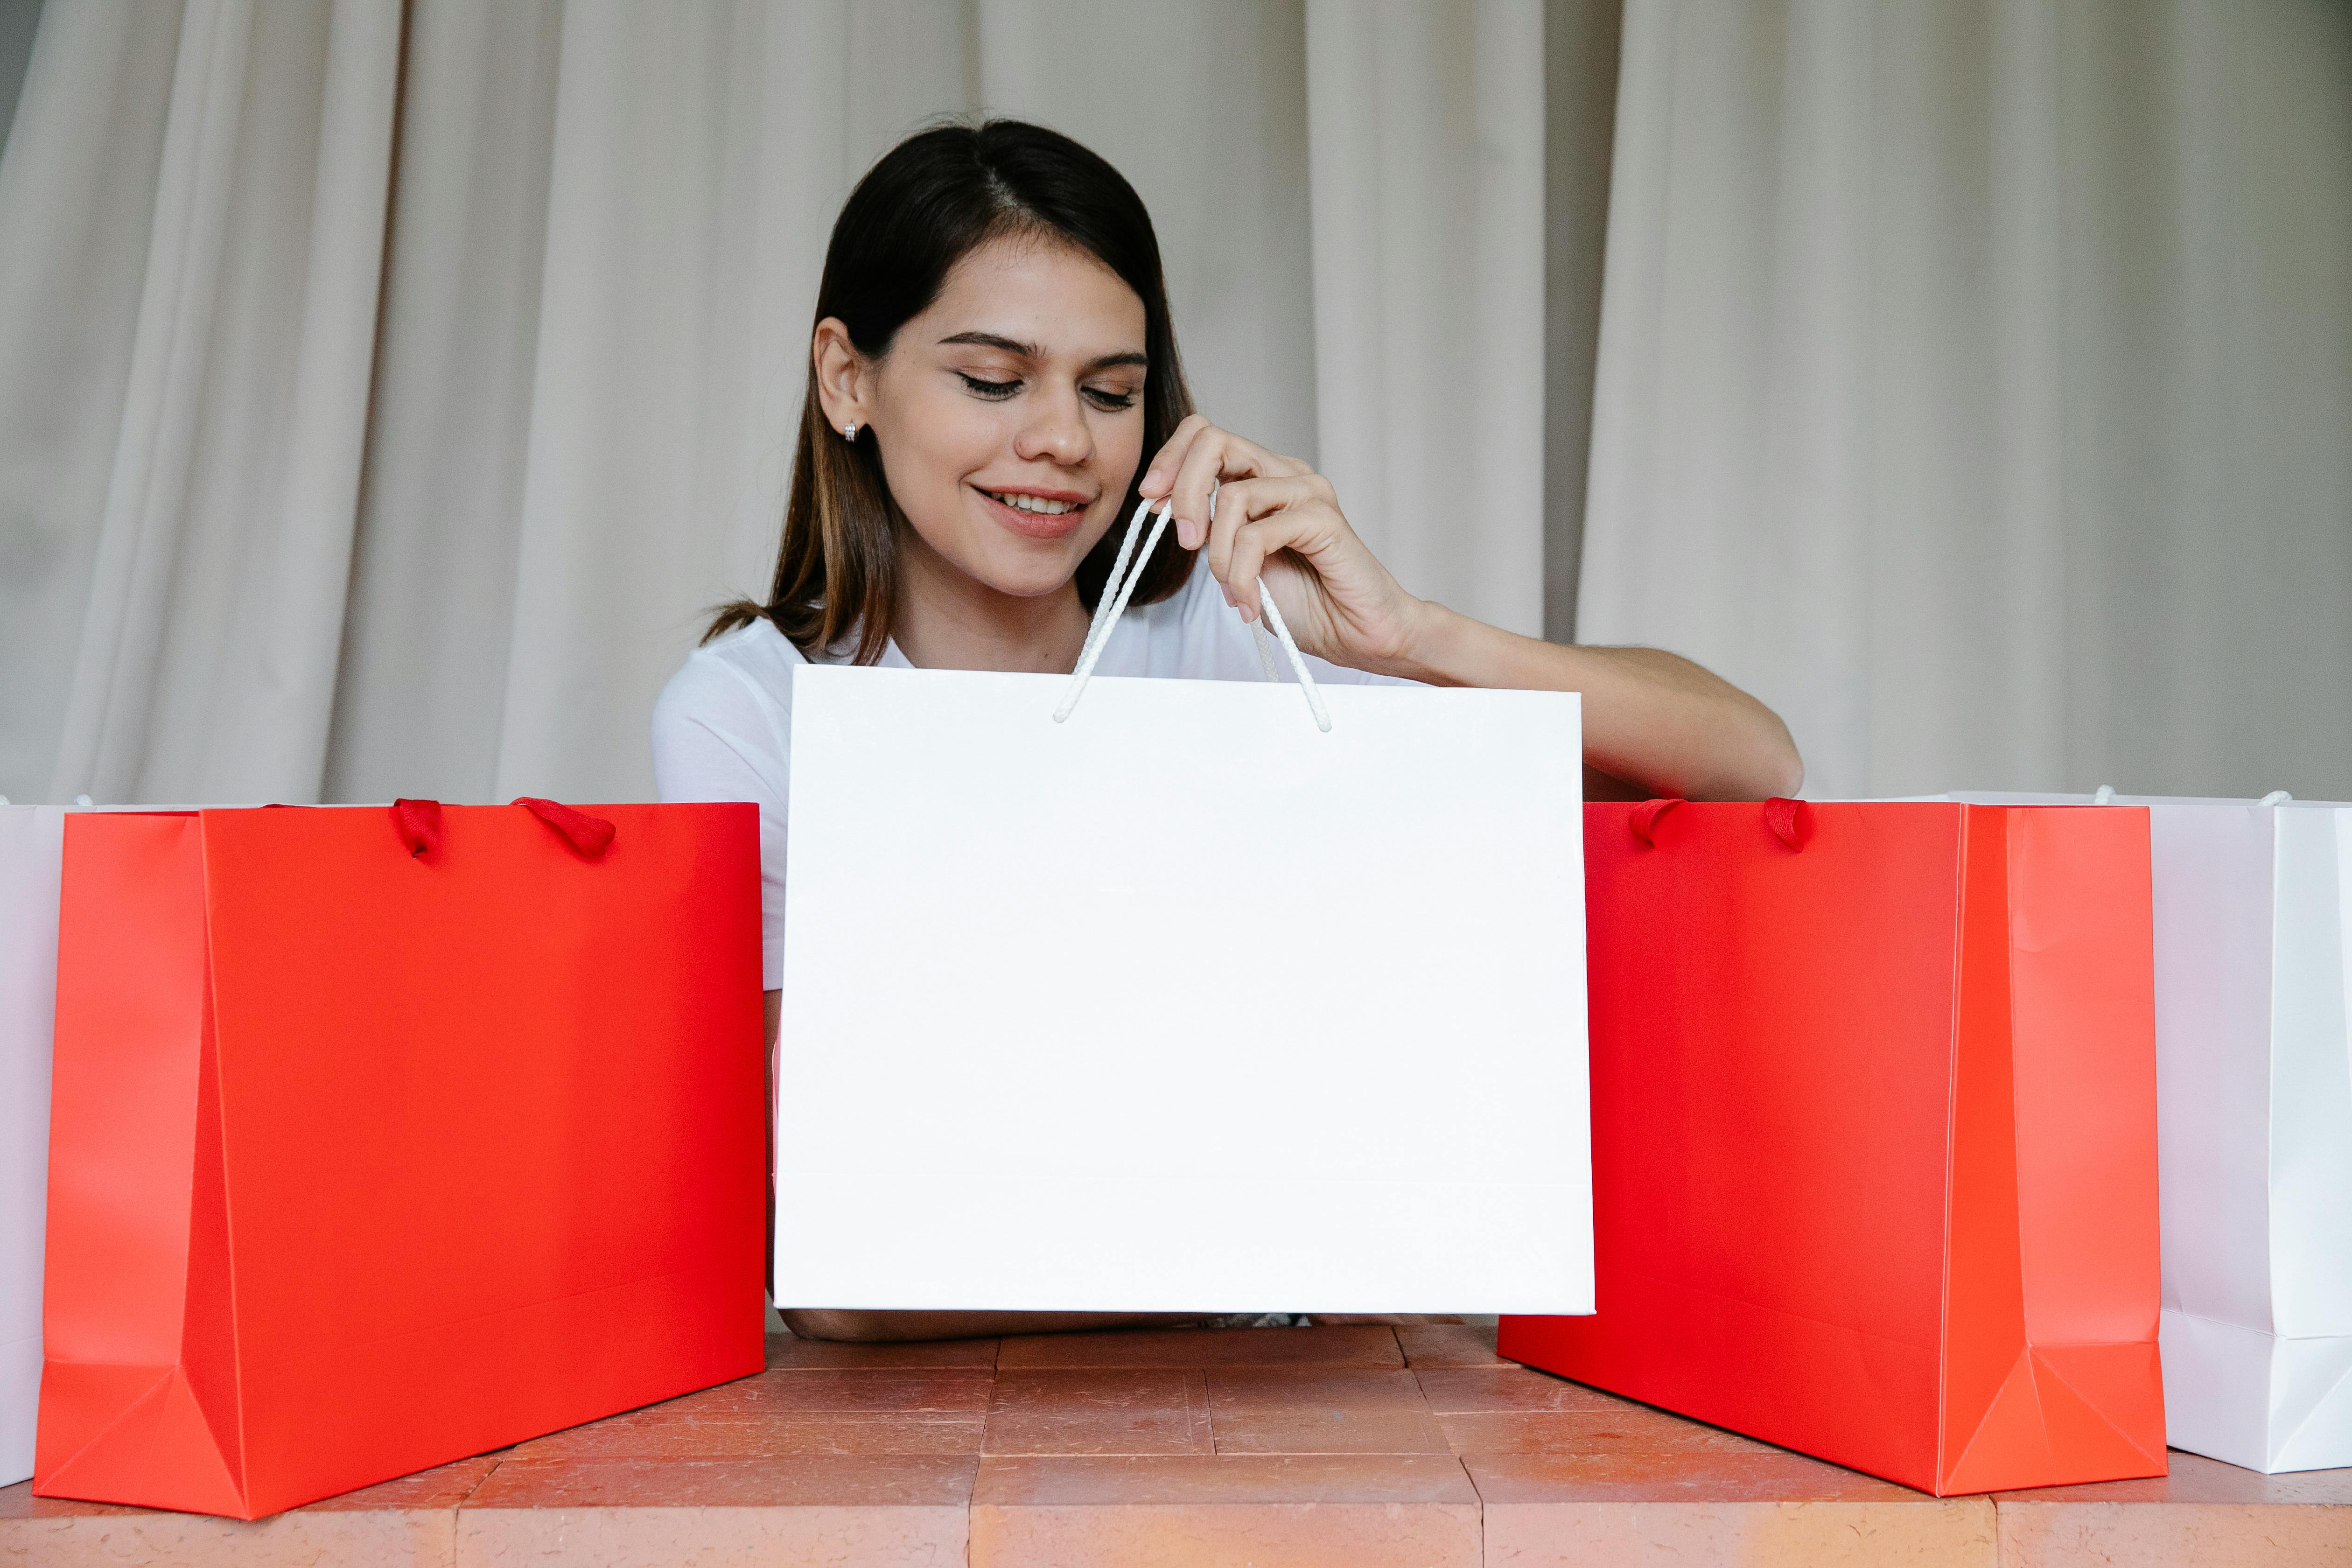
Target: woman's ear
[843, 374]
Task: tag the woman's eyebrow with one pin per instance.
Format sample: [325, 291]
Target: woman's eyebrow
[1031, 351]
[991, 340]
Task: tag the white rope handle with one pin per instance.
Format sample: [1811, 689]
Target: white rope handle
[1113, 604]
[1119, 588]
[1298, 660]
[1263, 640]
[1118, 570]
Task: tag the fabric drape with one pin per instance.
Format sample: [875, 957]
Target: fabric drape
[467, 343]
[1975, 385]
[393, 387]
[429, 616]
[1428, 138]
[240, 152]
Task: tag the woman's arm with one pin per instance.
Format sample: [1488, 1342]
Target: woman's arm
[1652, 718]
[1652, 721]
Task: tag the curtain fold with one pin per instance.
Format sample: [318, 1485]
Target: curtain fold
[694, 151]
[421, 684]
[78, 185]
[1975, 385]
[206, 657]
[1426, 123]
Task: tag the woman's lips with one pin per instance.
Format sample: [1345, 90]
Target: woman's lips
[1033, 524]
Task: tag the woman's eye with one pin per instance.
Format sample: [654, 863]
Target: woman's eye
[1109, 401]
[990, 389]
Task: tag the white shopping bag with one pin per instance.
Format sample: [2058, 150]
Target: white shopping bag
[1182, 1004]
[30, 841]
[2253, 956]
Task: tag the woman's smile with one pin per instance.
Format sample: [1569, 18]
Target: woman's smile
[1037, 514]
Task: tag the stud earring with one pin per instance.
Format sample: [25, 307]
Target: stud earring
[849, 431]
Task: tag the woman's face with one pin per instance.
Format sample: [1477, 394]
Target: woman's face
[1010, 413]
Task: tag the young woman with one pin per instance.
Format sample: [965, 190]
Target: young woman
[992, 364]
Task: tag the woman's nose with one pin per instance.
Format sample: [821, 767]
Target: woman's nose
[1057, 431]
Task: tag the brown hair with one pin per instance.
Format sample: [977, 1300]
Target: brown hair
[929, 201]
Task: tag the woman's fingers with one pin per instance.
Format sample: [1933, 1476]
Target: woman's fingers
[1239, 503]
[1161, 476]
[1255, 518]
[1216, 455]
[1195, 461]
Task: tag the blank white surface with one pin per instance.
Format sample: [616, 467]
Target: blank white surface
[2311, 1083]
[1181, 1005]
[31, 840]
[2214, 895]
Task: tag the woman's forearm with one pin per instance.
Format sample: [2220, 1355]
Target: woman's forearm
[1652, 718]
[871, 1326]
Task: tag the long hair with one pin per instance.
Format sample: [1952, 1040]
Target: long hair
[931, 200]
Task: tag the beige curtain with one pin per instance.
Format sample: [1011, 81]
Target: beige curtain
[191, 234]
[393, 385]
[400, 383]
[1975, 385]
[1428, 146]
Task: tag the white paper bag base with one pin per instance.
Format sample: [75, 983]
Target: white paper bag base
[1334, 1247]
[2215, 1379]
[20, 1387]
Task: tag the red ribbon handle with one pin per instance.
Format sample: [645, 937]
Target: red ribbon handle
[592, 835]
[1644, 818]
[1791, 821]
[418, 822]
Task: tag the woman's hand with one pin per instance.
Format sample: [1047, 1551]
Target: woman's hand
[1654, 723]
[1276, 517]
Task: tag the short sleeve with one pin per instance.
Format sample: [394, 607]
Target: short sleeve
[722, 733]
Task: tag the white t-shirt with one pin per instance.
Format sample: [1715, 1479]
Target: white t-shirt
[723, 728]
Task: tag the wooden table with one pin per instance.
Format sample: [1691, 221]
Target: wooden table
[1354, 1447]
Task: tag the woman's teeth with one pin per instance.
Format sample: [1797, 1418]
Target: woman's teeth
[1032, 503]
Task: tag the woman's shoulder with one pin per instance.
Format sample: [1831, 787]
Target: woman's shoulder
[748, 668]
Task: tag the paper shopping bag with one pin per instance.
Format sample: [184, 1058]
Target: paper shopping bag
[2254, 959]
[29, 837]
[1184, 1003]
[381, 1139]
[1874, 1099]
[2253, 944]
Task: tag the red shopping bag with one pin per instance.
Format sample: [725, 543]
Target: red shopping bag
[1873, 1135]
[378, 1141]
